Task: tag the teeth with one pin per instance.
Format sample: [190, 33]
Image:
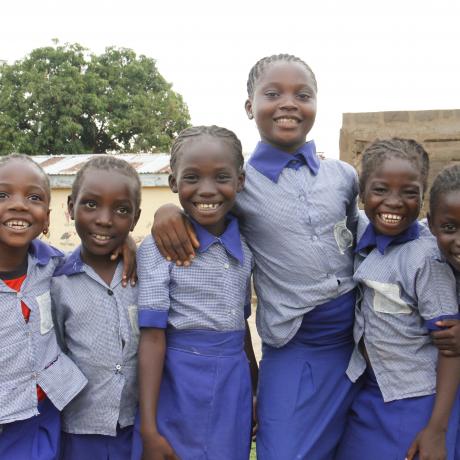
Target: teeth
[101, 237]
[287, 121]
[391, 218]
[17, 224]
[207, 205]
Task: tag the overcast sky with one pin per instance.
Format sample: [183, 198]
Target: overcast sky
[367, 55]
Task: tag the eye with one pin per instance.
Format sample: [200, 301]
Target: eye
[123, 210]
[271, 93]
[304, 96]
[411, 194]
[35, 197]
[449, 227]
[190, 178]
[90, 204]
[379, 190]
[3, 195]
[223, 177]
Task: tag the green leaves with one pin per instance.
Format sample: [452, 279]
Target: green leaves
[63, 99]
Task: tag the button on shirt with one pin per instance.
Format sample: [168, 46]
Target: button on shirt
[298, 215]
[405, 290]
[213, 293]
[97, 325]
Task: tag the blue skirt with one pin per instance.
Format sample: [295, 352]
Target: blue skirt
[36, 438]
[304, 393]
[385, 430]
[97, 446]
[205, 403]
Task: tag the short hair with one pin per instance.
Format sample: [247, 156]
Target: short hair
[381, 150]
[108, 163]
[216, 132]
[448, 180]
[22, 157]
[261, 65]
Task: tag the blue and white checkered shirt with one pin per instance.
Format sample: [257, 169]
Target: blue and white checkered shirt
[405, 291]
[97, 325]
[213, 293]
[29, 353]
[298, 215]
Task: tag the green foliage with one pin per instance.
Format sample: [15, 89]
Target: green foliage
[63, 99]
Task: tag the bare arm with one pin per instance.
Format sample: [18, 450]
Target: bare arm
[448, 340]
[174, 234]
[249, 349]
[128, 253]
[152, 348]
[430, 443]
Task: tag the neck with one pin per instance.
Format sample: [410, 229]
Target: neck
[12, 258]
[101, 264]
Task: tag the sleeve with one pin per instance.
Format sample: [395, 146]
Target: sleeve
[57, 311]
[153, 273]
[352, 209]
[435, 288]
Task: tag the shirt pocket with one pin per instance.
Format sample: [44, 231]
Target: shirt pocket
[132, 314]
[343, 236]
[44, 305]
[387, 298]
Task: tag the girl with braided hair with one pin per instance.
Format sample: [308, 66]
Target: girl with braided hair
[195, 382]
[299, 217]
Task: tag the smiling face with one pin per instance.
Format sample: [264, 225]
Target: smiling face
[207, 179]
[392, 196]
[283, 105]
[445, 226]
[104, 210]
[24, 204]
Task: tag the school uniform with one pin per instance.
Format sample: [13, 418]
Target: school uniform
[32, 365]
[299, 217]
[406, 288]
[205, 401]
[97, 325]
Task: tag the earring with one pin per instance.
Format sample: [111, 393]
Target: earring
[45, 231]
[250, 116]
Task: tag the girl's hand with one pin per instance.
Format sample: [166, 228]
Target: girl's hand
[448, 340]
[255, 420]
[157, 447]
[127, 251]
[174, 235]
[430, 444]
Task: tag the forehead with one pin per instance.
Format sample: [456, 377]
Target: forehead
[282, 72]
[23, 172]
[395, 168]
[448, 202]
[207, 151]
[109, 184]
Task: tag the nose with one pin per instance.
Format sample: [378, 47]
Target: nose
[288, 102]
[104, 217]
[18, 203]
[393, 200]
[207, 188]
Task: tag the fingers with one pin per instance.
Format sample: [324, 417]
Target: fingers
[449, 353]
[412, 451]
[192, 235]
[448, 323]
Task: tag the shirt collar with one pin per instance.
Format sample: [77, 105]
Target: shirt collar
[230, 239]
[71, 265]
[270, 161]
[372, 239]
[43, 252]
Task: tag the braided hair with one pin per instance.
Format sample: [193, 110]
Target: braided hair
[261, 65]
[448, 180]
[381, 150]
[190, 134]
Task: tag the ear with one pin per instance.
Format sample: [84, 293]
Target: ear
[241, 179]
[136, 219]
[172, 183]
[70, 207]
[248, 108]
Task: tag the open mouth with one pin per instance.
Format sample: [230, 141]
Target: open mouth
[17, 224]
[207, 207]
[101, 238]
[390, 219]
[287, 122]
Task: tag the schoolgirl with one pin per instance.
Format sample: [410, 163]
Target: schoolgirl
[96, 317]
[195, 384]
[299, 216]
[406, 405]
[36, 379]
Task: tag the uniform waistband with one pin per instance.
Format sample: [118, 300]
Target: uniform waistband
[204, 342]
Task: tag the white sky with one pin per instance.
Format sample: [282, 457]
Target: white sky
[367, 55]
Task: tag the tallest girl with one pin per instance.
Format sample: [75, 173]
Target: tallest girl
[299, 217]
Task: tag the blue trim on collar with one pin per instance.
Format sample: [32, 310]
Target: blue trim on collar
[71, 265]
[270, 161]
[43, 252]
[230, 239]
[371, 238]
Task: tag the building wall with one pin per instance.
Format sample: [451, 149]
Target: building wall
[62, 230]
[437, 130]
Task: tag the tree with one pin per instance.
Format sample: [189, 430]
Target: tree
[64, 99]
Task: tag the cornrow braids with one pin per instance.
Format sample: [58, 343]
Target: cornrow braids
[108, 163]
[448, 180]
[381, 150]
[22, 157]
[260, 66]
[195, 132]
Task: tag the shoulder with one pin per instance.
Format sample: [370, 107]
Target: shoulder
[248, 257]
[339, 166]
[148, 253]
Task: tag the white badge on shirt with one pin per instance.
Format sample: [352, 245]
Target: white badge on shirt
[387, 298]
[46, 319]
[343, 236]
[132, 313]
